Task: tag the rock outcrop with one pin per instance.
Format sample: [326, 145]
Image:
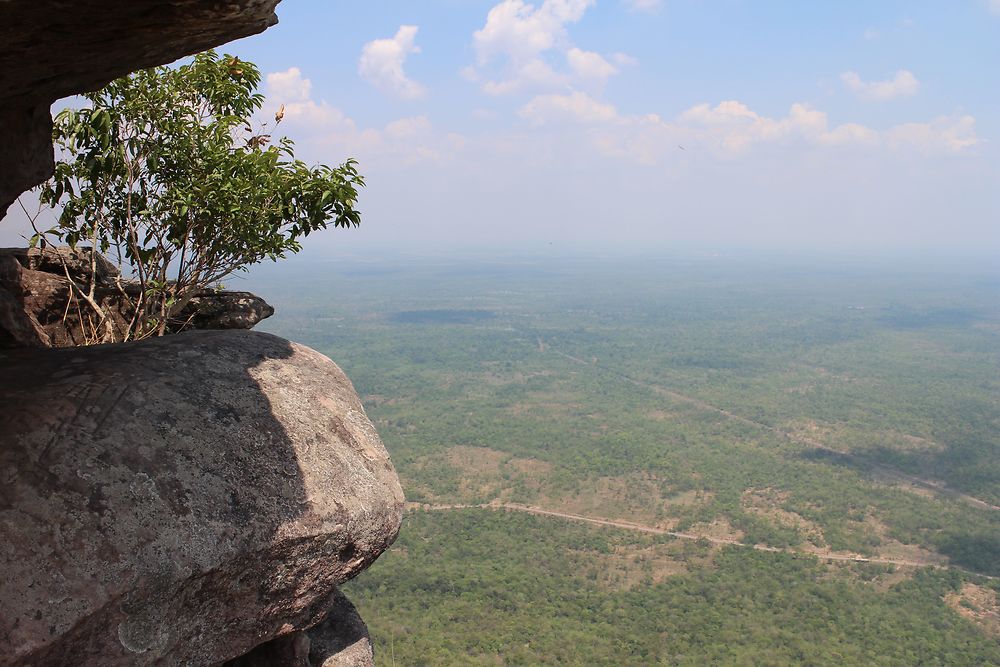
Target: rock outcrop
[183, 500]
[57, 48]
[340, 640]
[37, 308]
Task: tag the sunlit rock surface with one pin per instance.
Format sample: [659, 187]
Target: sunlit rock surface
[180, 500]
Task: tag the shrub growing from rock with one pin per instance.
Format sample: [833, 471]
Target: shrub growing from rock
[165, 173]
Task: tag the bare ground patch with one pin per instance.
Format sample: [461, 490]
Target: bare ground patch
[630, 566]
[893, 549]
[485, 474]
[640, 498]
[530, 466]
[477, 460]
[902, 485]
[882, 580]
[978, 604]
[480, 471]
[840, 437]
[663, 415]
[768, 503]
[718, 529]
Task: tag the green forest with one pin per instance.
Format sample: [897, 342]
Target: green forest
[822, 443]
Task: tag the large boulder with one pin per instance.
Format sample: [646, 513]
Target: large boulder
[181, 500]
[56, 48]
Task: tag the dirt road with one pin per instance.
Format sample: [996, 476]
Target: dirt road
[628, 525]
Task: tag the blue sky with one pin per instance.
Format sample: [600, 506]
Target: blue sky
[871, 126]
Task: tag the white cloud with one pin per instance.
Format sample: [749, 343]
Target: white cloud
[289, 86]
[577, 107]
[291, 90]
[850, 133]
[726, 112]
[946, 133]
[532, 74]
[995, 6]
[643, 5]
[516, 41]
[903, 84]
[589, 65]
[624, 60]
[521, 31]
[731, 128]
[382, 63]
[408, 127]
[322, 130]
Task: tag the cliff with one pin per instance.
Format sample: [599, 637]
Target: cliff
[194, 499]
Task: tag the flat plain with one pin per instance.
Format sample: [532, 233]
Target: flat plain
[676, 460]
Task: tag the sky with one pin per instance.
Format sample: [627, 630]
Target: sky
[844, 126]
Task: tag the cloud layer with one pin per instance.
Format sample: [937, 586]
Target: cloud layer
[382, 63]
[730, 129]
[903, 84]
[525, 48]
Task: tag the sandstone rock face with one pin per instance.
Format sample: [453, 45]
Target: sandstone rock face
[36, 308]
[181, 500]
[56, 48]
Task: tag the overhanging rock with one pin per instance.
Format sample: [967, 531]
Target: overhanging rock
[55, 48]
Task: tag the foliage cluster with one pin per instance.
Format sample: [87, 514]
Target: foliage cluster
[164, 172]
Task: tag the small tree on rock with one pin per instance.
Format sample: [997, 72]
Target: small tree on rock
[165, 173]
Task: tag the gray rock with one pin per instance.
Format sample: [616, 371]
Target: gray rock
[291, 650]
[17, 327]
[36, 308]
[181, 500]
[213, 309]
[339, 640]
[62, 261]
